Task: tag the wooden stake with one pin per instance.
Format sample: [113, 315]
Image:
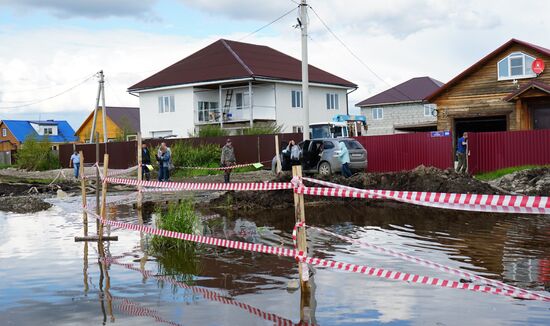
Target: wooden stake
[83, 188]
[300, 216]
[140, 171]
[278, 168]
[103, 213]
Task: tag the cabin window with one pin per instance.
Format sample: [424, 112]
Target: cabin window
[166, 104]
[332, 102]
[297, 129]
[515, 66]
[48, 131]
[297, 99]
[4, 132]
[429, 110]
[239, 100]
[377, 114]
[208, 111]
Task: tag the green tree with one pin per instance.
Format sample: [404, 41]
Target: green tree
[37, 155]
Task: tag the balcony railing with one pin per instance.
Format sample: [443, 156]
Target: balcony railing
[235, 114]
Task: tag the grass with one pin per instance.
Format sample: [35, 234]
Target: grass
[488, 176]
[185, 173]
[5, 166]
[179, 217]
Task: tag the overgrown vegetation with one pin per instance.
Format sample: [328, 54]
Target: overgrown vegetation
[179, 217]
[488, 176]
[211, 131]
[37, 155]
[185, 154]
[267, 129]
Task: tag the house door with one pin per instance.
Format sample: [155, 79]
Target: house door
[541, 117]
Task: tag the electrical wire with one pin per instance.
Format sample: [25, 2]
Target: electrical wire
[40, 88]
[268, 24]
[48, 98]
[356, 56]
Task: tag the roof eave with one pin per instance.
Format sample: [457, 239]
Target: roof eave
[388, 103]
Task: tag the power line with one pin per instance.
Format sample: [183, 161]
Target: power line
[268, 24]
[41, 88]
[354, 55]
[48, 98]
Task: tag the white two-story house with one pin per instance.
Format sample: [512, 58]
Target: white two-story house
[401, 108]
[236, 85]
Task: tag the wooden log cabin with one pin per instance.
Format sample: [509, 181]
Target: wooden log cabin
[500, 92]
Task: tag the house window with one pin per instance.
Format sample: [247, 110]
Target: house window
[48, 131]
[377, 114]
[4, 132]
[297, 129]
[514, 66]
[429, 110]
[239, 101]
[208, 111]
[297, 99]
[166, 104]
[332, 102]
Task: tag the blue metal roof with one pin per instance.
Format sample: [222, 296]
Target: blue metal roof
[22, 129]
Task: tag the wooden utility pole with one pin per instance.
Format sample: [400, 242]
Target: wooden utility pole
[140, 170]
[305, 66]
[100, 95]
[278, 167]
[300, 216]
[97, 176]
[83, 188]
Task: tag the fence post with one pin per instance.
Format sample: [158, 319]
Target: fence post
[140, 172]
[278, 167]
[83, 188]
[104, 194]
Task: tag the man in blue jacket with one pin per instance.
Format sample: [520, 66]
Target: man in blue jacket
[462, 153]
[343, 156]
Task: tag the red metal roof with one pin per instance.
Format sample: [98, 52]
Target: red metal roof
[533, 84]
[413, 90]
[484, 60]
[225, 59]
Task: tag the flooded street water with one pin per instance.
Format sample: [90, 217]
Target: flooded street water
[48, 279]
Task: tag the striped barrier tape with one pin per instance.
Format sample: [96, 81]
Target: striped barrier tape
[208, 294]
[421, 261]
[299, 255]
[110, 174]
[249, 186]
[135, 309]
[475, 202]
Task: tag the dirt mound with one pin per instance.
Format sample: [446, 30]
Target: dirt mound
[533, 182]
[420, 179]
[23, 204]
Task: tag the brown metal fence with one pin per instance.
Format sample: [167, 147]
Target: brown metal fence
[248, 149]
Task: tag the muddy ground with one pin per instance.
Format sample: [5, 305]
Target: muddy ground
[533, 182]
[420, 179]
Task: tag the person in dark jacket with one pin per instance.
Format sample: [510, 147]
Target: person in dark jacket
[145, 162]
[163, 158]
[227, 159]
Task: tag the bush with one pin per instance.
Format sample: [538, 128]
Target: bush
[185, 154]
[178, 217]
[211, 131]
[37, 155]
[268, 129]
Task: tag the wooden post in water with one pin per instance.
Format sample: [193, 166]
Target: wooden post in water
[83, 188]
[104, 194]
[97, 176]
[140, 171]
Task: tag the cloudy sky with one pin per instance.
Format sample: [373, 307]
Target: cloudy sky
[49, 46]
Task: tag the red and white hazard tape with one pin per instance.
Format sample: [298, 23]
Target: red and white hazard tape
[421, 261]
[361, 269]
[472, 202]
[135, 309]
[249, 186]
[208, 294]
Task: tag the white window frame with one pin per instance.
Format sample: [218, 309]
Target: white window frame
[430, 107]
[379, 115]
[296, 99]
[47, 131]
[4, 132]
[515, 55]
[166, 103]
[332, 101]
[297, 129]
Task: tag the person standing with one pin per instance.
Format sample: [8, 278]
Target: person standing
[343, 156]
[227, 159]
[75, 162]
[294, 153]
[461, 153]
[145, 162]
[163, 158]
